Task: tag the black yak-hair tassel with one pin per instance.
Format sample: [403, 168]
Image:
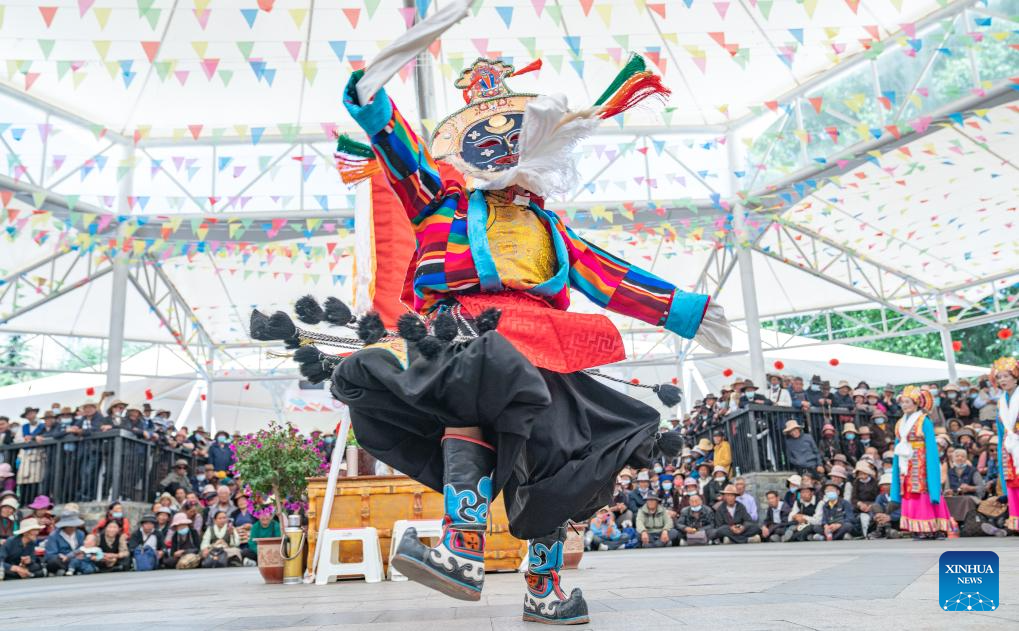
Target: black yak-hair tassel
[668, 444]
[488, 320]
[337, 312]
[411, 328]
[444, 327]
[308, 310]
[669, 394]
[370, 328]
[315, 365]
[278, 326]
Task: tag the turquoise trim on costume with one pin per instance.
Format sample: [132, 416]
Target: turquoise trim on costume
[895, 493]
[477, 237]
[373, 117]
[686, 313]
[933, 461]
[553, 285]
[1001, 447]
[542, 559]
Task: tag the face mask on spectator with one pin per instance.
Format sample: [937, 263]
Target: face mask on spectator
[815, 387]
[850, 436]
[658, 468]
[720, 478]
[690, 493]
[696, 509]
[667, 486]
[117, 514]
[183, 530]
[865, 441]
[831, 496]
[624, 481]
[221, 440]
[879, 421]
[951, 395]
[200, 476]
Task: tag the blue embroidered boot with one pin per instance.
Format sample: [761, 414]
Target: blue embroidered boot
[545, 601]
[456, 566]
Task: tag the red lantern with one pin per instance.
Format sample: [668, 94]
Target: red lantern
[247, 386]
[635, 381]
[203, 397]
[90, 392]
[833, 361]
[727, 372]
[1004, 334]
[779, 364]
[675, 380]
[148, 395]
[956, 345]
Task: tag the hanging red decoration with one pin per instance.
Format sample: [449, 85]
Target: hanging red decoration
[833, 361]
[779, 364]
[203, 397]
[956, 345]
[247, 386]
[635, 381]
[90, 391]
[727, 372]
[148, 395]
[1004, 334]
[675, 380]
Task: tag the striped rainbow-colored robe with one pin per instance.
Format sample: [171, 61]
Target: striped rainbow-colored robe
[452, 246]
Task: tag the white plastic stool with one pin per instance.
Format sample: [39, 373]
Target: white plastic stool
[371, 565]
[425, 528]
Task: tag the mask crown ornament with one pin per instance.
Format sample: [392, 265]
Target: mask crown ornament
[486, 132]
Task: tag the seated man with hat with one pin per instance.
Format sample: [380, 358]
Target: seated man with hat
[801, 450]
[60, 546]
[884, 514]
[18, 552]
[712, 491]
[178, 477]
[733, 523]
[696, 523]
[655, 525]
[145, 544]
[837, 517]
[864, 491]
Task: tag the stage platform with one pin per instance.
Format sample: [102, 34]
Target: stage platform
[840, 585]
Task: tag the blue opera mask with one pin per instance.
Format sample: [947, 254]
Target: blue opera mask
[491, 144]
[485, 134]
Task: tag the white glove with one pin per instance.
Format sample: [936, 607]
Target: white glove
[714, 333]
[408, 46]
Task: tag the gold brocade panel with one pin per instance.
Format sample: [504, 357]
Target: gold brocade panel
[520, 244]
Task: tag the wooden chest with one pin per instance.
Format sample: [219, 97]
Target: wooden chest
[379, 501]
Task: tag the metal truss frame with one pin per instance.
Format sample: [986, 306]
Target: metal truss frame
[902, 297]
[49, 279]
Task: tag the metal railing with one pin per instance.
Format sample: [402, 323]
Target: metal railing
[756, 437]
[103, 466]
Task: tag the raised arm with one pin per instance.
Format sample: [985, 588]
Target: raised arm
[404, 158]
[618, 286]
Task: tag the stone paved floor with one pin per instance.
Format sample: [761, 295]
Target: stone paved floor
[839, 585]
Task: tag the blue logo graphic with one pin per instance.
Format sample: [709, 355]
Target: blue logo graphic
[968, 581]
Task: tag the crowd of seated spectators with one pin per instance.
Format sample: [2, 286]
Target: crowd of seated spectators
[839, 484]
[213, 526]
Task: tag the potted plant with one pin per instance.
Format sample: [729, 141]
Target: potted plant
[275, 464]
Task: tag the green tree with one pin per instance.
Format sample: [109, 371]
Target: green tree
[13, 357]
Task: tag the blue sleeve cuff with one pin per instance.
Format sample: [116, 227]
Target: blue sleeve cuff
[685, 313]
[372, 117]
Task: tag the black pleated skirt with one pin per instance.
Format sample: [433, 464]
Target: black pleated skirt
[560, 439]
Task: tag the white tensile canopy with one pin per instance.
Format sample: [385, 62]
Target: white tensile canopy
[167, 166]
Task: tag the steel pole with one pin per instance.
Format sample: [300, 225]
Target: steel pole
[118, 295]
[744, 259]
[946, 340]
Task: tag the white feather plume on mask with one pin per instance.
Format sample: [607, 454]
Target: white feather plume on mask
[547, 165]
